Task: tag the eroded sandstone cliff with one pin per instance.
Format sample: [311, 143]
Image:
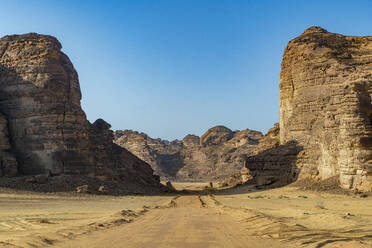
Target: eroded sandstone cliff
[272, 162]
[219, 152]
[43, 128]
[325, 105]
[325, 112]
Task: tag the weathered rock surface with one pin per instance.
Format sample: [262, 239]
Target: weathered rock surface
[238, 178]
[325, 128]
[216, 135]
[273, 163]
[42, 126]
[269, 140]
[325, 113]
[219, 152]
[8, 162]
[325, 105]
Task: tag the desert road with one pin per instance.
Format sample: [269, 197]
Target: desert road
[191, 223]
[282, 217]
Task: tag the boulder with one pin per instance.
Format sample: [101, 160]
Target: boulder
[83, 189]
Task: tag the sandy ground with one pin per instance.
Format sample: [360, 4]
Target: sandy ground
[240, 217]
[309, 219]
[38, 220]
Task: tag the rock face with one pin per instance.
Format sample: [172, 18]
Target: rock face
[325, 105]
[216, 135]
[42, 126]
[269, 140]
[238, 178]
[8, 163]
[273, 163]
[219, 152]
[153, 151]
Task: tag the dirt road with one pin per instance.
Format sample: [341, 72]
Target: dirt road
[191, 223]
[240, 217]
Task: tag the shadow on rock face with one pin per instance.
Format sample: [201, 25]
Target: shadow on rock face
[44, 130]
[275, 166]
[171, 163]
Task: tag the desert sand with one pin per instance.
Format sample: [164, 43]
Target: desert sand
[238, 217]
[38, 220]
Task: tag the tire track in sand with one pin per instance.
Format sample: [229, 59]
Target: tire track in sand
[188, 224]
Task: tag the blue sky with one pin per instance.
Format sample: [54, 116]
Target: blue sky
[169, 68]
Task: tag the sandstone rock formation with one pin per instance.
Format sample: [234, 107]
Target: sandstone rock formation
[8, 162]
[273, 163]
[216, 135]
[325, 105]
[42, 126]
[238, 178]
[325, 112]
[269, 140]
[146, 148]
[219, 152]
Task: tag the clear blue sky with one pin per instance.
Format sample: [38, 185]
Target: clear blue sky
[169, 68]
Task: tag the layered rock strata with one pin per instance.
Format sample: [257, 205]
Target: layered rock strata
[325, 105]
[325, 128]
[219, 152]
[43, 128]
[272, 162]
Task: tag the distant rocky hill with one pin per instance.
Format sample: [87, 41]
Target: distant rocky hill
[43, 129]
[325, 127]
[219, 152]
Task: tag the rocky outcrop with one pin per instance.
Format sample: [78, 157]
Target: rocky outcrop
[144, 147]
[219, 152]
[273, 163]
[325, 105]
[8, 162]
[42, 126]
[237, 178]
[270, 140]
[325, 128]
[191, 140]
[216, 135]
